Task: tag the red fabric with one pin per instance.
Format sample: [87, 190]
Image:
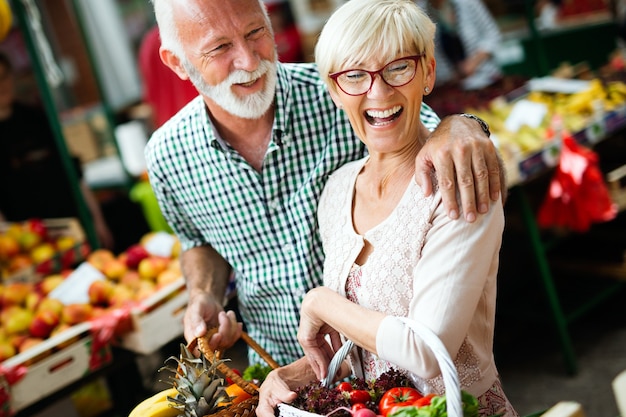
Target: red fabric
[163, 90]
[577, 196]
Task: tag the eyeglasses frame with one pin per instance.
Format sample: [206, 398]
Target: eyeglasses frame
[373, 74]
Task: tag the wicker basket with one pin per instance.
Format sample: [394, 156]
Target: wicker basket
[247, 406]
[448, 371]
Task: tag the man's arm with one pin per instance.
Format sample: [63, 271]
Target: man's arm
[206, 274]
[463, 157]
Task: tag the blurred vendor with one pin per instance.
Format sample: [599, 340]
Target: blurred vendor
[33, 180]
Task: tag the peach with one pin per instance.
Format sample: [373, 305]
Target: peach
[19, 262]
[76, 313]
[99, 257]
[114, 269]
[167, 277]
[43, 323]
[99, 292]
[50, 282]
[152, 266]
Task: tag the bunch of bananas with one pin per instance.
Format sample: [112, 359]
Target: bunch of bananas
[156, 406]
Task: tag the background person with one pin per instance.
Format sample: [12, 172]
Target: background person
[238, 171]
[33, 181]
[390, 251]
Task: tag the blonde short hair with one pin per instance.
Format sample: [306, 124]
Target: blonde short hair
[361, 29]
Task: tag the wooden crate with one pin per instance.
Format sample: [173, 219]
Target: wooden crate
[53, 365]
[158, 320]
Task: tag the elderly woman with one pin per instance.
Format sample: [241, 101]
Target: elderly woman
[391, 252]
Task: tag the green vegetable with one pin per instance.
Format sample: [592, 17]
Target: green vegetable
[256, 372]
[437, 408]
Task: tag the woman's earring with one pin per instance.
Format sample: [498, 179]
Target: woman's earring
[426, 90]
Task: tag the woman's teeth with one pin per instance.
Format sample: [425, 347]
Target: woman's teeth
[380, 117]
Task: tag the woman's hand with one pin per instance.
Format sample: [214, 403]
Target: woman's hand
[464, 160]
[313, 331]
[279, 386]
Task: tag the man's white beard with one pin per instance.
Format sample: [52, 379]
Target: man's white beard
[252, 106]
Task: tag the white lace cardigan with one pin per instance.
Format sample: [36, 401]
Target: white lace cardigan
[426, 267]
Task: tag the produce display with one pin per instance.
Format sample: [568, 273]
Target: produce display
[572, 112]
[39, 246]
[31, 312]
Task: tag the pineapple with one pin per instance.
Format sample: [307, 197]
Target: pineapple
[200, 388]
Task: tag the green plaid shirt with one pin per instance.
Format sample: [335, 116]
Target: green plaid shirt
[264, 224]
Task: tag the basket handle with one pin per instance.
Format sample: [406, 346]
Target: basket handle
[454, 404]
[203, 346]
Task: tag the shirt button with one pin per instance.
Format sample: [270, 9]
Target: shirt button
[288, 248]
[274, 204]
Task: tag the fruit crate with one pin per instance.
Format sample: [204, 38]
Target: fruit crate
[157, 321]
[50, 366]
[57, 228]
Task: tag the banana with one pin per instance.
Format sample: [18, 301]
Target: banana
[159, 397]
[160, 409]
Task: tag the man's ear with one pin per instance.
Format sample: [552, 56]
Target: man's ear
[173, 62]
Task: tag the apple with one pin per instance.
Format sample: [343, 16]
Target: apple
[134, 255]
[37, 226]
[9, 246]
[43, 323]
[99, 257]
[145, 290]
[60, 329]
[121, 296]
[130, 279]
[99, 292]
[167, 277]
[114, 269]
[64, 243]
[15, 293]
[19, 262]
[50, 282]
[28, 240]
[152, 266]
[32, 300]
[51, 304]
[28, 343]
[76, 313]
[42, 252]
[16, 320]
[7, 350]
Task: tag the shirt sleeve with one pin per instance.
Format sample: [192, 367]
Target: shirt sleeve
[454, 292]
[429, 117]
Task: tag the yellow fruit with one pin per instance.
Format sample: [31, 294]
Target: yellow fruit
[160, 397]
[160, 409]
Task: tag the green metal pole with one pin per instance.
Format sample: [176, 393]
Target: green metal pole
[51, 110]
[535, 37]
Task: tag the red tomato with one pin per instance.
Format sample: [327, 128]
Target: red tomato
[359, 396]
[357, 407]
[397, 397]
[344, 387]
[425, 400]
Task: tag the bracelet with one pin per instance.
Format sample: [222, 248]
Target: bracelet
[484, 126]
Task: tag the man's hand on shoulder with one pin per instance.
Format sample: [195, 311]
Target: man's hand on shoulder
[463, 158]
